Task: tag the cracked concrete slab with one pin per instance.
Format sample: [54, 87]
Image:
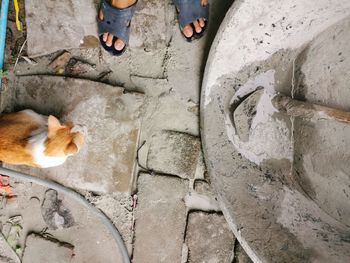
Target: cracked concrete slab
[160, 219]
[162, 113]
[209, 238]
[174, 153]
[39, 249]
[110, 118]
[133, 63]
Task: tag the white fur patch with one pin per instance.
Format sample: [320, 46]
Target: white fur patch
[38, 148]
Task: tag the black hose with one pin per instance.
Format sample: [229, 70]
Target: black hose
[80, 199]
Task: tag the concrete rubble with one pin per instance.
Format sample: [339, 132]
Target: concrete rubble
[142, 164]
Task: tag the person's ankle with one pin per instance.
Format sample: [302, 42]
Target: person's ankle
[122, 3]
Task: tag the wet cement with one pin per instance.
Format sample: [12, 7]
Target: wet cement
[282, 182]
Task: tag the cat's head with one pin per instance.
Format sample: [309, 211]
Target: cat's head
[61, 139]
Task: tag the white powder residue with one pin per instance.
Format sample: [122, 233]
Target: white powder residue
[264, 128]
[243, 26]
[195, 201]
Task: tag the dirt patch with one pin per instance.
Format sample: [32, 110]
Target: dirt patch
[15, 38]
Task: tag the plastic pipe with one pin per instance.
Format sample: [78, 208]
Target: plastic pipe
[80, 199]
[3, 23]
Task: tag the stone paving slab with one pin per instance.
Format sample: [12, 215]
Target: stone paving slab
[111, 118]
[175, 153]
[160, 219]
[41, 250]
[56, 25]
[209, 238]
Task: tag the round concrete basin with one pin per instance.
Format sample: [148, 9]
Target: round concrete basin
[283, 182]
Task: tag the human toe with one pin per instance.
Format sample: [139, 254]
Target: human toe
[100, 15]
[104, 37]
[119, 44]
[201, 22]
[187, 31]
[197, 27]
[109, 40]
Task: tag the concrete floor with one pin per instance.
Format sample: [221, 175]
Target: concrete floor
[159, 197]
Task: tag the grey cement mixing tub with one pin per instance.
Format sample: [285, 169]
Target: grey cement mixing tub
[283, 183]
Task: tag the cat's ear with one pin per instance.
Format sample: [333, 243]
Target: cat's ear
[71, 149]
[53, 125]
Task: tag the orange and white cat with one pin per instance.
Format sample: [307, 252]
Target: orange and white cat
[28, 138]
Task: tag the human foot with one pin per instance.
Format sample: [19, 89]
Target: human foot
[114, 24]
[193, 17]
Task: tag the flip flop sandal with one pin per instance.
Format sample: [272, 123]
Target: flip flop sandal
[188, 11]
[116, 22]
